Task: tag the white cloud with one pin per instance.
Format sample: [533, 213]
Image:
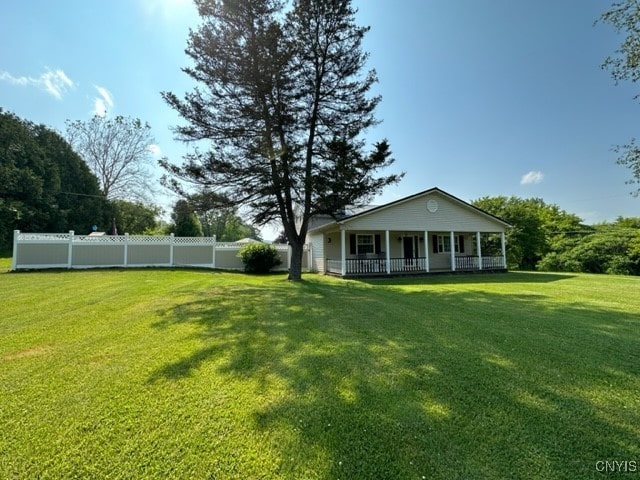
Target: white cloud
[54, 82]
[532, 177]
[154, 150]
[103, 102]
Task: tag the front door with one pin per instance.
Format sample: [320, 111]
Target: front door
[409, 254]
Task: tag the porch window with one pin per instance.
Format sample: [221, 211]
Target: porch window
[442, 244]
[364, 244]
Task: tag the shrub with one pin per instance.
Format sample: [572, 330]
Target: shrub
[259, 257]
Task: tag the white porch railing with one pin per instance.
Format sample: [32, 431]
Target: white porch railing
[378, 266]
[496, 262]
[472, 262]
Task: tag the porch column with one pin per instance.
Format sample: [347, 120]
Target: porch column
[343, 253]
[387, 247]
[426, 249]
[479, 250]
[453, 251]
[504, 250]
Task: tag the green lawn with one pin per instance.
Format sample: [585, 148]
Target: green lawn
[195, 374]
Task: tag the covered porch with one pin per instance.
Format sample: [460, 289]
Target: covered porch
[391, 252]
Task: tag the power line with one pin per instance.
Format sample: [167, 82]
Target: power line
[83, 194]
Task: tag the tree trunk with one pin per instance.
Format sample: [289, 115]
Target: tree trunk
[295, 269]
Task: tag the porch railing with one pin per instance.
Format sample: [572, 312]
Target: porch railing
[372, 266]
[472, 262]
[489, 263]
[378, 266]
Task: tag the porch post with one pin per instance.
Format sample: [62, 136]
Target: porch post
[386, 241]
[478, 248]
[343, 252]
[453, 251]
[426, 249]
[504, 250]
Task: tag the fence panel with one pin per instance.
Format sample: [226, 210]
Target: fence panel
[67, 250]
[193, 255]
[141, 255]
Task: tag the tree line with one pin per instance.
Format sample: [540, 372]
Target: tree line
[281, 108]
[546, 238]
[47, 186]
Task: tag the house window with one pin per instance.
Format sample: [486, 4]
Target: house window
[442, 244]
[364, 244]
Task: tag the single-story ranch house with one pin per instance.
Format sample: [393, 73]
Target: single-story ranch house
[431, 231]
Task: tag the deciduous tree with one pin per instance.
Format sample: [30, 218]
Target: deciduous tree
[624, 64]
[283, 100]
[136, 217]
[220, 220]
[118, 152]
[537, 227]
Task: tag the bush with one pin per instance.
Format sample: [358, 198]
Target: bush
[259, 257]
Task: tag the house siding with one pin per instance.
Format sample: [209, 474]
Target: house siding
[413, 215]
[317, 252]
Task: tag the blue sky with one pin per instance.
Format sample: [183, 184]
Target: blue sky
[480, 97]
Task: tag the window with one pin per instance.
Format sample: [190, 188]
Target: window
[442, 244]
[364, 244]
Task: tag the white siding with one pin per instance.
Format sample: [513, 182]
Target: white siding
[317, 250]
[413, 215]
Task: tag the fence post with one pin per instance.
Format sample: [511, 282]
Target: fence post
[171, 237]
[70, 250]
[126, 250]
[213, 263]
[288, 257]
[14, 258]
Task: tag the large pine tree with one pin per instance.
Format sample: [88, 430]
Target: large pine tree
[283, 100]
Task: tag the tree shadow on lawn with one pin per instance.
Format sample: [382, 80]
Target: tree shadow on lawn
[470, 278]
[386, 384]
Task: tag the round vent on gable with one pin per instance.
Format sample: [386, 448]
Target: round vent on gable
[432, 205]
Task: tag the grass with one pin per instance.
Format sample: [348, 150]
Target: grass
[194, 374]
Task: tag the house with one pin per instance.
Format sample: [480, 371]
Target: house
[430, 231]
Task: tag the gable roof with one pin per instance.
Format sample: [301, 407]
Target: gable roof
[400, 201]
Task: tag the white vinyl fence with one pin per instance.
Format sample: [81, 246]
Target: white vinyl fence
[67, 250]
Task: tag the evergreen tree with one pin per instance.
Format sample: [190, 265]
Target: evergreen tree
[44, 185]
[185, 221]
[283, 101]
